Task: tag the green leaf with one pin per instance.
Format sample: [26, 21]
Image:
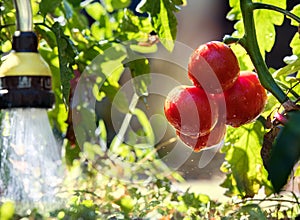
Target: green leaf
[144, 49]
[66, 55]
[296, 11]
[47, 6]
[245, 62]
[95, 10]
[254, 211]
[126, 203]
[147, 128]
[112, 5]
[286, 152]
[140, 69]
[7, 211]
[75, 3]
[72, 153]
[163, 20]
[297, 172]
[265, 30]
[295, 44]
[68, 9]
[235, 12]
[292, 67]
[47, 35]
[117, 97]
[244, 161]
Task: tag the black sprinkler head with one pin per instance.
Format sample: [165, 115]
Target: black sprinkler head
[25, 78]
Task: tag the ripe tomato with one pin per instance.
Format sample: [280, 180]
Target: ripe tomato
[245, 100]
[197, 144]
[191, 111]
[214, 67]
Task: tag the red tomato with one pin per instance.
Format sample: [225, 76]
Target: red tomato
[191, 111]
[208, 140]
[214, 67]
[245, 100]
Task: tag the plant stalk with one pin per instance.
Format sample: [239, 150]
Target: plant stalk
[250, 43]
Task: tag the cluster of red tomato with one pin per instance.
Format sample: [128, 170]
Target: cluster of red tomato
[222, 95]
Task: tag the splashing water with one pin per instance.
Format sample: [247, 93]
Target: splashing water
[30, 163]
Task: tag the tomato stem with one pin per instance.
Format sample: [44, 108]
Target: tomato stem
[258, 5]
[249, 42]
[227, 39]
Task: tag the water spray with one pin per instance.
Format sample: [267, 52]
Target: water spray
[29, 155]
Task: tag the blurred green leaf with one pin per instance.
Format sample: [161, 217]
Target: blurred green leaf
[117, 97]
[126, 203]
[72, 153]
[149, 134]
[75, 3]
[297, 172]
[285, 152]
[66, 54]
[254, 211]
[140, 69]
[47, 6]
[7, 211]
[95, 10]
[163, 20]
[112, 5]
[68, 9]
[46, 35]
[144, 49]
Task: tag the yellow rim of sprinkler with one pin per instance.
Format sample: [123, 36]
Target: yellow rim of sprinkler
[24, 64]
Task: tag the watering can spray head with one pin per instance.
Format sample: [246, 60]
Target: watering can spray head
[25, 78]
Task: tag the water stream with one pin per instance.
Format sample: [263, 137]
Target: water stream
[30, 159]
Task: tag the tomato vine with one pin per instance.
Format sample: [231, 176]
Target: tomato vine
[249, 42]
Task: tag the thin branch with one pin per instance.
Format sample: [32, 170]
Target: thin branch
[268, 200]
[258, 5]
[43, 24]
[6, 26]
[227, 39]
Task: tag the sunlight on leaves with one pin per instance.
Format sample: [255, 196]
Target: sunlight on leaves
[163, 20]
[243, 160]
[265, 31]
[296, 11]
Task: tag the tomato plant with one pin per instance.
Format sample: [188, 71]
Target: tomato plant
[103, 42]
